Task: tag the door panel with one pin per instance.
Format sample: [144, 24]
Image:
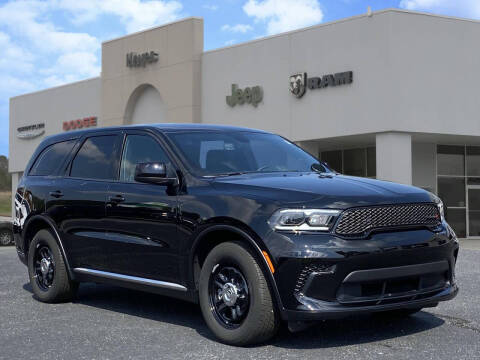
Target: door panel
[142, 218]
[80, 216]
[76, 202]
[142, 230]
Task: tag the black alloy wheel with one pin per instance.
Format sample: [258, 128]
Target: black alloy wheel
[48, 271]
[229, 295]
[44, 267]
[235, 296]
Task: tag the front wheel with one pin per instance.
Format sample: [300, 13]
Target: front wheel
[235, 298]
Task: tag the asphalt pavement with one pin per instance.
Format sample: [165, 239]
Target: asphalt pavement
[106, 322]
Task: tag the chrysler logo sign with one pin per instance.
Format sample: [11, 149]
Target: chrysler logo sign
[300, 82]
[31, 131]
[141, 60]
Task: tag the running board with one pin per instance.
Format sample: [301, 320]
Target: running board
[131, 279]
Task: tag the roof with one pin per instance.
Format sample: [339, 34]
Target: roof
[169, 127]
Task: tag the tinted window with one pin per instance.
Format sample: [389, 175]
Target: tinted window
[216, 153]
[450, 160]
[95, 159]
[473, 161]
[50, 158]
[452, 191]
[371, 162]
[354, 162]
[333, 159]
[139, 149]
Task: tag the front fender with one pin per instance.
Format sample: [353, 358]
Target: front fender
[256, 244]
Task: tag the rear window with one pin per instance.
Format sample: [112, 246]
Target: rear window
[51, 158]
[96, 159]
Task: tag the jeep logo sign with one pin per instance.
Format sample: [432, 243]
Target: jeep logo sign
[300, 82]
[141, 60]
[248, 95]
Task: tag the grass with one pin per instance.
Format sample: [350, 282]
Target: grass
[5, 203]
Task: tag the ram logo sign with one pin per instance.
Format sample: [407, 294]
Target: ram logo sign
[297, 84]
[300, 82]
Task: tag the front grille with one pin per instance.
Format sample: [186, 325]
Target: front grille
[359, 221]
[392, 290]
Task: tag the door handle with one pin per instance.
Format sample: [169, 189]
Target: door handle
[56, 194]
[116, 199]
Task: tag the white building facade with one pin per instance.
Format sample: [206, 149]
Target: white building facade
[394, 95]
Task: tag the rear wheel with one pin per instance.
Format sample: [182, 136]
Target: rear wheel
[235, 298]
[47, 270]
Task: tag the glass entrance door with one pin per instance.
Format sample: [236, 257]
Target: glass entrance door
[473, 210]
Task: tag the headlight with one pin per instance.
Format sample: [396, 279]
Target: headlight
[303, 219]
[440, 207]
[441, 210]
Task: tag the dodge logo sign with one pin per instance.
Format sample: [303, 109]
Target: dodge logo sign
[80, 123]
[297, 84]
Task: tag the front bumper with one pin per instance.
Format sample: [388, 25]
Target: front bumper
[323, 311]
[324, 276]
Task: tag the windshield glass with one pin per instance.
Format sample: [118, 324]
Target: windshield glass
[211, 153]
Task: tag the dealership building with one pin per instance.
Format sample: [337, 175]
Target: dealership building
[393, 95]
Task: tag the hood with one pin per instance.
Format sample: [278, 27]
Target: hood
[316, 190]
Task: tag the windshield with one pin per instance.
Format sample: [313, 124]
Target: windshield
[211, 153]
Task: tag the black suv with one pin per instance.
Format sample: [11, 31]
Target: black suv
[241, 221]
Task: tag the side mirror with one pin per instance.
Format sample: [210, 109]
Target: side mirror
[153, 173]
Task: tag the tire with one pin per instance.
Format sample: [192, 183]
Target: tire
[6, 237]
[53, 285]
[256, 316]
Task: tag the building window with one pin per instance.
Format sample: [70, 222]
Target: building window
[355, 162]
[333, 159]
[458, 185]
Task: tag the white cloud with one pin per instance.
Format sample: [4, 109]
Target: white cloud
[10, 83]
[45, 48]
[230, 42]
[27, 20]
[463, 8]
[210, 7]
[284, 15]
[238, 28]
[14, 57]
[136, 15]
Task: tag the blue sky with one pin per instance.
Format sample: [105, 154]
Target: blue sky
[45, 43]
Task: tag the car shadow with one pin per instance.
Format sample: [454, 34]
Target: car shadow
[325, 334]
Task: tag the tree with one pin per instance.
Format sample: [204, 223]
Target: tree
[5, 177]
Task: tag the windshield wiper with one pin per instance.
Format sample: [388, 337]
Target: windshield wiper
[226, 174]
[319, 168]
